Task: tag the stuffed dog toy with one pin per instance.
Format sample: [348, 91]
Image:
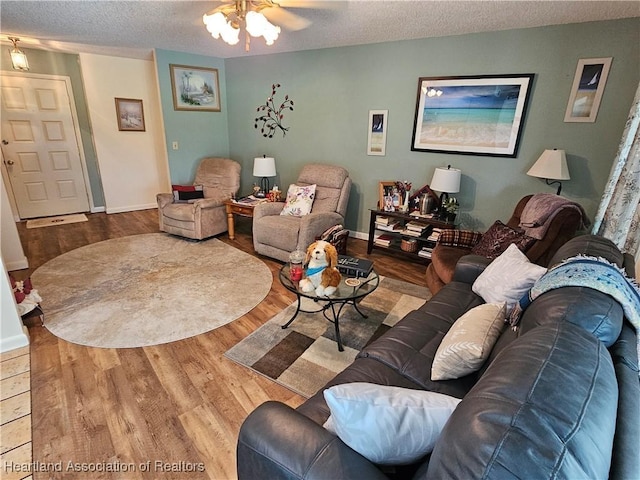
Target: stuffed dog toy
[321, 273]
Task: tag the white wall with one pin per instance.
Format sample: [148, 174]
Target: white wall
[13, 334]
[12, 252]
[133, 165]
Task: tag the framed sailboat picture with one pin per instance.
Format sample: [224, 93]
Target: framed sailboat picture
[587, 89]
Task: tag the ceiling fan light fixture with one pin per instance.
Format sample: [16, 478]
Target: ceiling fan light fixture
[218, 25]
[227, 22]
[258, 26]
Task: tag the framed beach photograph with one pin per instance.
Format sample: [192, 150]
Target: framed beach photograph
[130, 115]
[587, 89]
[471, 115]
[377, 141]
[195, 88]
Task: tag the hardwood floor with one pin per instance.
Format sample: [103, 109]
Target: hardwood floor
[167, 411]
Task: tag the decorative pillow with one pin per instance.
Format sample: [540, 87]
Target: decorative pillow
[299, 200]
[469, 341]
[186, 193]
[459, 238]
[387, 425]
[498, 238]
[507, 278]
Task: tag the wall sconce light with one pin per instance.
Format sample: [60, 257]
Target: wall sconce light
[264, 167]
[18, 57]
[552, 165]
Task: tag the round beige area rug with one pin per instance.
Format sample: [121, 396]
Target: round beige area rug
[148, 289]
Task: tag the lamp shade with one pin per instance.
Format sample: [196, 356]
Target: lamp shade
[446, 180]
[552, 165]
[264, 167]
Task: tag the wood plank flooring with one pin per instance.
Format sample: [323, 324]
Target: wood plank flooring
[161, 412]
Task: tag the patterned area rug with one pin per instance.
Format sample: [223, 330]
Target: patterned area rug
[148, 289]
[305, 356]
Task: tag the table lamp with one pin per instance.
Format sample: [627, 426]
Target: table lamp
[446, 181]
[552, 165]
[264, 167]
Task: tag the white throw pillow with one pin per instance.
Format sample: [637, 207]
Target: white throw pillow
[469, 341]
[387, 425]
[507, 278]
[299, 200]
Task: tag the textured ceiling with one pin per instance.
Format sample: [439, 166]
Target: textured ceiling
[134, 28]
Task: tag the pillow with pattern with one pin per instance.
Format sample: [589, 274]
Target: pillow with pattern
[299, 200]
[499, 236]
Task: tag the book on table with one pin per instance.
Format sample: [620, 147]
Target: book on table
[354, 267]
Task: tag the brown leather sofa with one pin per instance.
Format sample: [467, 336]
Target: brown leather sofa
[563, 226]
[558, 398]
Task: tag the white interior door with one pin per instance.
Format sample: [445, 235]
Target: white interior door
[40, 148]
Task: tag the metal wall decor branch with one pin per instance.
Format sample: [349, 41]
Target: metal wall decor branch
[272, 118]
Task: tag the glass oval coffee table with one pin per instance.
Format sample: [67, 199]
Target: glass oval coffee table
[348, 292]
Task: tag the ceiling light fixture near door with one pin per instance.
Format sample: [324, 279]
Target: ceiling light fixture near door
[228, 20]
[18, 57]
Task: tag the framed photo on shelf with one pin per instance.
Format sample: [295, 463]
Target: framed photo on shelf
[386, 200]
[195, 88]
[472, 115]
[377, 138]
[130, 115]
[587, 89]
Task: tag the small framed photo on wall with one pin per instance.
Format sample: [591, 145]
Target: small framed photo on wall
[130, 115]
[587, 89]
[377, 141]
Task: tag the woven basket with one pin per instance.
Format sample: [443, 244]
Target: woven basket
[409, 245]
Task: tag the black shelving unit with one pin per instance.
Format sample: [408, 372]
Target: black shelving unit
[403, 219]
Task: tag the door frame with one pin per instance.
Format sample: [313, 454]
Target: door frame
[76, 128]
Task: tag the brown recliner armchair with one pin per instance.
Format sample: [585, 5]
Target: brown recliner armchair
[276, 235]
[561, 227]
[203, 217]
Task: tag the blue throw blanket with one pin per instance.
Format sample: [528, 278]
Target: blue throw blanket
[592, 272]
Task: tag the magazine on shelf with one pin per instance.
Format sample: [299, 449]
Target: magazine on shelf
[354, 267]
[250, 200]
[382, 220]
[391, 227]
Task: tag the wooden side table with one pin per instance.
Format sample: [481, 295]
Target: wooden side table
[235, 208]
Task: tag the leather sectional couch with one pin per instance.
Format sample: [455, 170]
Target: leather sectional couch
[557, 398]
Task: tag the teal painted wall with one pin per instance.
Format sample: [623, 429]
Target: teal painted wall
[199, 134]
[333, 90]
[53, 63]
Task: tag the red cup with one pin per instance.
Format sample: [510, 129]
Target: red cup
[295, 272]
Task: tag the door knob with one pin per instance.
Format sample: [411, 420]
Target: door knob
[9, 162]
[4, 142]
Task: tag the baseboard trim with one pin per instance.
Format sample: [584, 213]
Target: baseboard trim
[17, 264]
[14, 342]
[97, 209]
[132, 208]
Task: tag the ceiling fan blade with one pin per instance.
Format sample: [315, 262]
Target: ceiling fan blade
[286, 19]
[317, 4]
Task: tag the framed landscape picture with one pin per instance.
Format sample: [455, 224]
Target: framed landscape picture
[377, 138]
[195, 88]
[130, 115]
[473, 115]
[587, 89]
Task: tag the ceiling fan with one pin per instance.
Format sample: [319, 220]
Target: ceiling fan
[255, 16]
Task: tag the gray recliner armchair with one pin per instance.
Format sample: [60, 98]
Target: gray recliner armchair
[203, 217]
[276, 235]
